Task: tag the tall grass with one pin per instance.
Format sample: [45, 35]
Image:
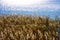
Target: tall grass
[19, 27]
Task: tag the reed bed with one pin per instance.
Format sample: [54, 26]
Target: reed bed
[21, 27]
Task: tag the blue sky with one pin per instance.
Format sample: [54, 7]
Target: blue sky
[50, 8]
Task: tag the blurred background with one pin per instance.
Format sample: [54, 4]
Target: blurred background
[49, 8]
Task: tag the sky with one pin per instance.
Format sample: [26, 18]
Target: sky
[40, 7]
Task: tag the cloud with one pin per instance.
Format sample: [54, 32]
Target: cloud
[51, 4]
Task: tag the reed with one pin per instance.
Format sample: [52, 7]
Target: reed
[19, 27]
